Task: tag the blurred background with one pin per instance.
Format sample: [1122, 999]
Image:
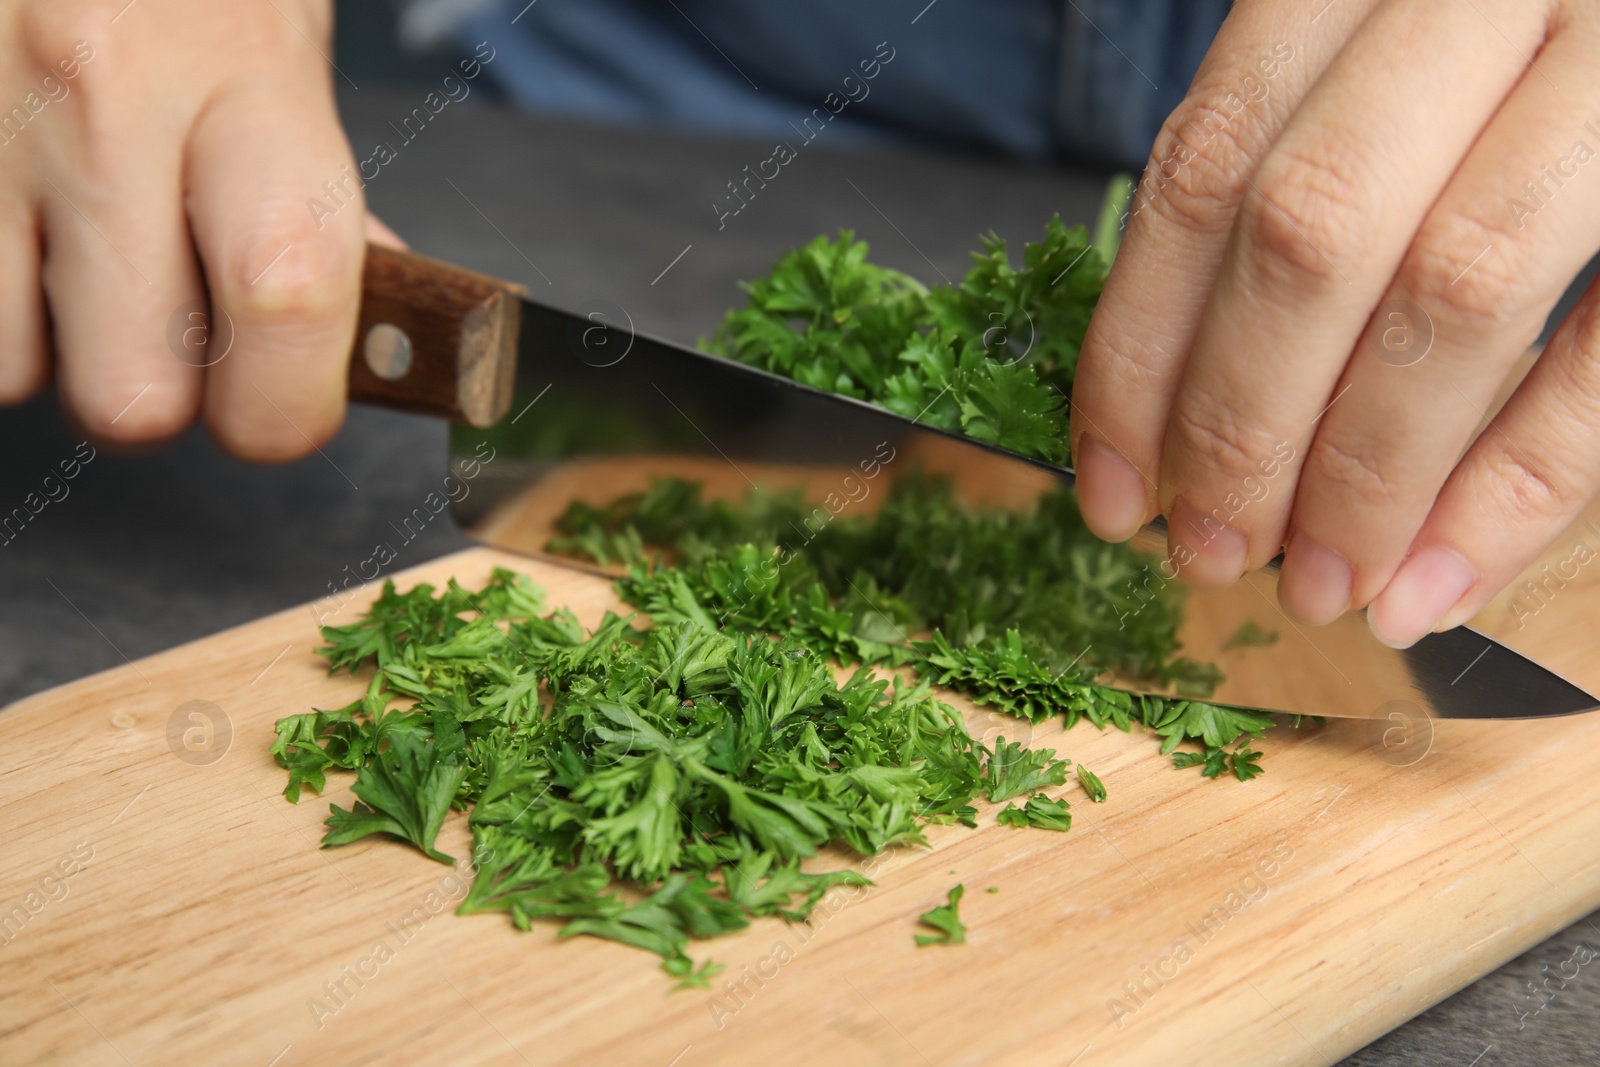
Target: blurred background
[1017, 79]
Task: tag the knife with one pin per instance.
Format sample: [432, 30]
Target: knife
[551, 407]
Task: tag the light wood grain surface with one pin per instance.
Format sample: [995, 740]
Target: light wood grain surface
[200, 923]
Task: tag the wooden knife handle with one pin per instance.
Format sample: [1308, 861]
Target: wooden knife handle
[434, 338]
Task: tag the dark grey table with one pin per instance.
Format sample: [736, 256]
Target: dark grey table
[152, 550]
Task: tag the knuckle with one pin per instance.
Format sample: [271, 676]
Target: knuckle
[85, 88]
[1573, 364]
[62, 41]
[1216, 439]
[1541, 476]
[1355, 468]
[60, 32]
[290, 268]
[1468, 271]
[1303, 216]
[1537, 477]
[1529, 492]
[1121, 360]
[1200, 159]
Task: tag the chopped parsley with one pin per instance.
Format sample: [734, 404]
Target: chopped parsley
[648, 785]
[1243, 761]
[409, 789]
[946, 920]
[663, 783]
[1091, 784]
[1040, 811]
[1014, 770]
[1019, 611]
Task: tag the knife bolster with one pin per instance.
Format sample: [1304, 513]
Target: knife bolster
[459, 329]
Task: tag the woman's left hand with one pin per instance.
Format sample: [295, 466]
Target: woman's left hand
[1347, 234]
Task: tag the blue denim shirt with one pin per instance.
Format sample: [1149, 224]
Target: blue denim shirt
[1034, 79]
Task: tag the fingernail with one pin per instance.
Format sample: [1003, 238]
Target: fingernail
[1206, 550]
[1110, 491]
[1424, 589]
[1316, 581]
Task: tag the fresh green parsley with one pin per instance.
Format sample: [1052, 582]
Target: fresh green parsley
[946, 920]
[1215, 724]
[1243, 761]
[1013, 770]
[1018, 611]
[1040, 811]
[1091, 784]
[983, 586]
[659, 784]
[408, 790]
[649, 785]
[992, 358]
[689, 976]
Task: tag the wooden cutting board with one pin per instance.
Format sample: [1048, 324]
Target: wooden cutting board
[163, 909]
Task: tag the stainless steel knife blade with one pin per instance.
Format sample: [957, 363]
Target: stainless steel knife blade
[600, 410]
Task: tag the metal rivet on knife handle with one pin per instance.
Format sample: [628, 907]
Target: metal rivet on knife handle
[387, 351]
[459, 327]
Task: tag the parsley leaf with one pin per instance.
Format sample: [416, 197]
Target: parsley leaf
[649, 786]
[946, 920]
[1013, 770]
[689, 976]
[1215, 724]
[1244, 762]
[984, 586]
[1212, 762]
[684, 906]
[407, 790]
[1010, 407]
[1215, 760]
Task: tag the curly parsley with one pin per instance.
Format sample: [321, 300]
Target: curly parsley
[992, 358]
[658, 784]
[651, 786]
